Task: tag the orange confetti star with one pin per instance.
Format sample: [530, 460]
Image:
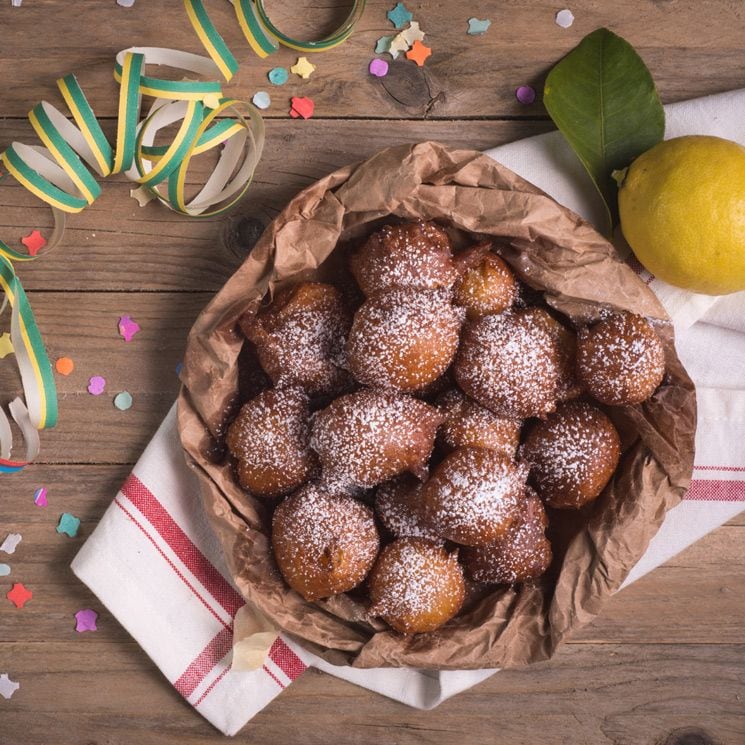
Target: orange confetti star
[64, 365]
[19, 595]
[34, 242]
[418, 52]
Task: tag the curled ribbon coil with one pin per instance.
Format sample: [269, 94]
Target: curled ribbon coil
[60, 171]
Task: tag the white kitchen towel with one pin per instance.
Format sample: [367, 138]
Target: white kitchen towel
[155, 564]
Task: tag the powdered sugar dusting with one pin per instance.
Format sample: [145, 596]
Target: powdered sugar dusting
[300, 338]
[269, 438]
[404, 339]
[507, 363]
[572, 454]
[523, 553]
[324, 543]
[472, 496]
[411, 255]
[369, 436]
[416, 585]
[620, 360]
[398, 505]
[468, 424]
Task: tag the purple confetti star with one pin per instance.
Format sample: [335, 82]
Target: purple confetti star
[85, 620]
[96, 385]
[40, 497]
[378, 68]
[128, 328]
[525, 94]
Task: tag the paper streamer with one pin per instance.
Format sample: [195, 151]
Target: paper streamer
[60, 171]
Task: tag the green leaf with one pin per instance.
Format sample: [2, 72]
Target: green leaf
[602, 98]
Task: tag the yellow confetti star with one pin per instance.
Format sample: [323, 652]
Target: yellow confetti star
[303, 68]
[398, 45]
[142, 195]
[413, 33]
[6, 346]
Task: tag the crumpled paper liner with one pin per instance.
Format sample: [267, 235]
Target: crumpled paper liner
[549, 248]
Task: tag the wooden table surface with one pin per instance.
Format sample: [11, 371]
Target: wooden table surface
[666, 661]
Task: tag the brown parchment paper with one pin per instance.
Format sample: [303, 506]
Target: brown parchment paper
[551, 249]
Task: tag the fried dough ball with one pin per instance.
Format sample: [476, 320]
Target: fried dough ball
[416, 586]
[565, 344]
[472, 496]
[324, 543]
[572, 454]
[508, 364]
[269, 439]
[370, 436]
[620, 360]
[468, 424]
[522, 554]
[414, 255]
[403, 339]
[398, 506]
[300, 337]
[486, 285]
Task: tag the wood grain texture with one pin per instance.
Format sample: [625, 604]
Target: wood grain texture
[665, 662]
[692, 48]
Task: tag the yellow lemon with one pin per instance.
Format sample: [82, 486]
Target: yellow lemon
[682, 207]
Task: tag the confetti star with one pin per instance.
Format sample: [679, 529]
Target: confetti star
[10, 543]
[477, 27]
[7, 686]
[64, 366]
[19, 595]
[85, 620]
[301, 107]
[40, 497]
[4, 570]
[68, 524]
[398, 46]
[413, 33]
[34, 242]
[399, 16]
[418, 52]
[142, 194]
[378, 67]
[303, 68]
[128, 328]
[383, 44]
[6, 346]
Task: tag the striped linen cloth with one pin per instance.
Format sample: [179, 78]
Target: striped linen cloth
[155, 564]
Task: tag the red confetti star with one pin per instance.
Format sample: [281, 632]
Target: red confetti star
[19, 595]
[301, 107]
[418, 52]
[34, 242]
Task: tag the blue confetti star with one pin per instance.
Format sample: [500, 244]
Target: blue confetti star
[477, 27]
[68, 524]
[278, 76]
[399, 16]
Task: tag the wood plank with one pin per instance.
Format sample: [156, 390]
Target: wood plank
[465, 77]
[615, 694]
[83, 326]
[116, 245]
[655, 610]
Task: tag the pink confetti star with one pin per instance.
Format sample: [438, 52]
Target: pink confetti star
[19, 595]
[34, 242]
[40, 497]
[128, 328]
[85, 620]
[96, 385]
